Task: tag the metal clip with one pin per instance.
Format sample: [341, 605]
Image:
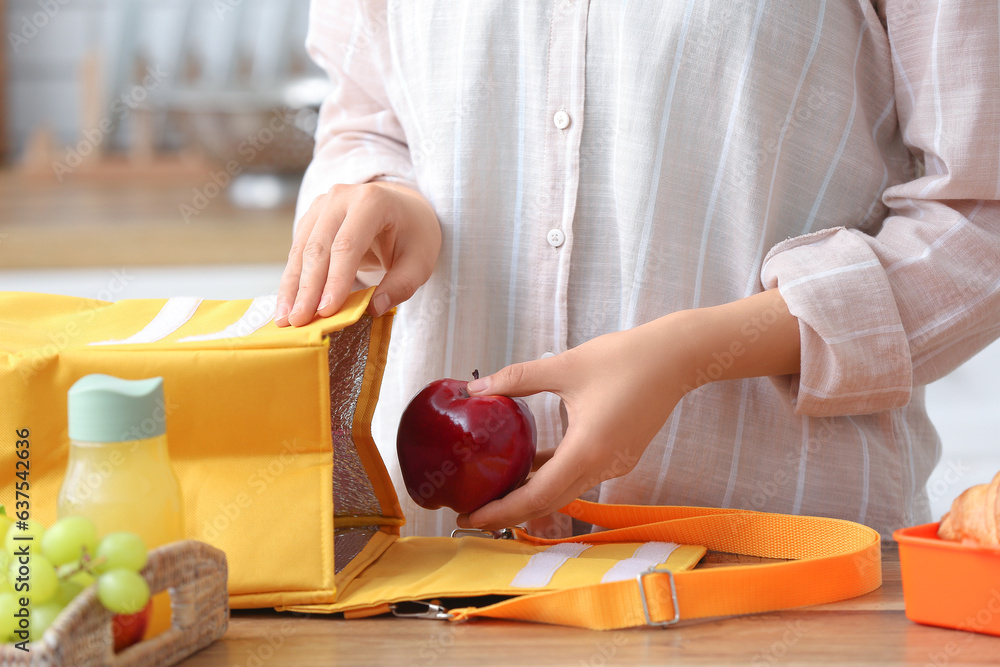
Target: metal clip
[673, 596]
[502, 534]
[473, 532]
[430, 610]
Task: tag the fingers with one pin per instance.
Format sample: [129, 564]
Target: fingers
[408, 272]
[519, 506]
[337, 237]
[556, 484]
[331, 241]
[327, 289]
[316, 265]
[529, 377]
[288, 287]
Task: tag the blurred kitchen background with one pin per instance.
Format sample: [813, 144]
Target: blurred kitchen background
[153, 148]
[154, 131]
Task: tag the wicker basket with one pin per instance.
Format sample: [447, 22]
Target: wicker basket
[195, 574]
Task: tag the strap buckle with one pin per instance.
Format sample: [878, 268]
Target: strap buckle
[429, 610]
[656, 569]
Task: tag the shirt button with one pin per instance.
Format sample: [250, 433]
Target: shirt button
[555, 237]
[547, 355]
[561, 119]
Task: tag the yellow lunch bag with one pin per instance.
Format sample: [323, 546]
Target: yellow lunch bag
[268, 428]
[269, 434]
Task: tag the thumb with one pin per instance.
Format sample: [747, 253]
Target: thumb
[522, 379]
[397, 285]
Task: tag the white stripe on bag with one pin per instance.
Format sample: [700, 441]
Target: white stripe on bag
[175, 312]
[645, 557]
[259, 313]
[540, 568]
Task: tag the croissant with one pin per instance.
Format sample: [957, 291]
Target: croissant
[974, 516]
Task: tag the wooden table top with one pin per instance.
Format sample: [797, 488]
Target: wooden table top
[869, 630]
[131, 222]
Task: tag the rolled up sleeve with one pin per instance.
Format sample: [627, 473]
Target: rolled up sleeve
[358, 136]
[881, 313]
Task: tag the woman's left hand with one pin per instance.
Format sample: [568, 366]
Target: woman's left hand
[618, 390]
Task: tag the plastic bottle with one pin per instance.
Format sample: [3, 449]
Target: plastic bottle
[119, 473]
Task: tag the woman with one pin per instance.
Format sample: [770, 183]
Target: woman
[721, 246]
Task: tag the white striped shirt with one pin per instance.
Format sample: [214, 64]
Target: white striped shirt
[845, 151]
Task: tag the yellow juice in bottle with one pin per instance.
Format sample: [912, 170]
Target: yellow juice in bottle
[119, 473]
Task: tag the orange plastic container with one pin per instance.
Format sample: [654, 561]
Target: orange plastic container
[949, 584]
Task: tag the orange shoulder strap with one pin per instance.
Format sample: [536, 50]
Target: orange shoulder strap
[825, 560]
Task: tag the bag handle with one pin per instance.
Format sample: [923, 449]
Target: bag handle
[827, 560]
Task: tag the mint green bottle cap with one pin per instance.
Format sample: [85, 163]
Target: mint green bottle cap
[103, 408]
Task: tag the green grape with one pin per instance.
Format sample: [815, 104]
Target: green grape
[41, 575]
[122, 591]
[35, 530]
[9, 605]
[68, 538]
[123, 550]
[67, 591]
[42, 616]
[83, 579]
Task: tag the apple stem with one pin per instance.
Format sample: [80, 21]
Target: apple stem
[475, 374]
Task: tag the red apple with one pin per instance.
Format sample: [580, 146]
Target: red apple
[462, 451]
[128, 629]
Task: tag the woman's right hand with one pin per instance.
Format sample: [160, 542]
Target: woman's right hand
[377, 225]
